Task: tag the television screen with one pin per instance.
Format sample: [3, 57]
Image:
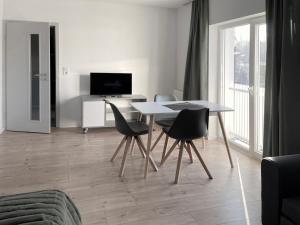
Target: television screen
[111, 84]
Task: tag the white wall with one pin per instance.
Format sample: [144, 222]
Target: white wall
[223, 10]
[105, 37]
[183, 30]
[1, 71]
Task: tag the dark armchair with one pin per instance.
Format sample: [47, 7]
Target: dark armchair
[281, 190]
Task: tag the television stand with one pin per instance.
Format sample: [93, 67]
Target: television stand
[97, 114]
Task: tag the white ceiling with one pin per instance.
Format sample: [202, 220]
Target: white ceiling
[159, 3]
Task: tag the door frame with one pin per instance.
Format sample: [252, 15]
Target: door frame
[57, 44]
[57, 83]
[253, 20]
[256, 22]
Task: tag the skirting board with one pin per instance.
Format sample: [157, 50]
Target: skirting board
[2, 130]
[74, 124]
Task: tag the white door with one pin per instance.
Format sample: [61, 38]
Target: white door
[243, 62]
[28, 76]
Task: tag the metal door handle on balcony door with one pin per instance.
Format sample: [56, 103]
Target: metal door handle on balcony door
[43, 76]
[251, 90]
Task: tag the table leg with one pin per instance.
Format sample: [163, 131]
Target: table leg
[149, 144]
[139, 119]
[225, 137]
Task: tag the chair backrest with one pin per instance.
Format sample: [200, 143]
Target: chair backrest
[164, 98]
[190, 124]
[121, 123]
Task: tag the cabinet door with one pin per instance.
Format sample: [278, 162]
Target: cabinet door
[93, 114]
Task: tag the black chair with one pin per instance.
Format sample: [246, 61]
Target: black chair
[188, 126]
[280, 190]
[131, 131]
[164, 120]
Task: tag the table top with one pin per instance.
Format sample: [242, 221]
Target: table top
[153, 108]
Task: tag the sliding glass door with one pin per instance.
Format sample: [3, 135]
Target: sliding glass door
[242, 68]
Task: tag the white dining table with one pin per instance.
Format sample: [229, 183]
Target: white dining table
[151, 109]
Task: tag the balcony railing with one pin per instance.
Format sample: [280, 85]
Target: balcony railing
[238, 122]
[239, 128]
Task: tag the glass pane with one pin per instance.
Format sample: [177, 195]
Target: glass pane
[35, 79]
[236, 82]
[260, 86]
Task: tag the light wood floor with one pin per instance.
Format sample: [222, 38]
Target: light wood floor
[79, 165]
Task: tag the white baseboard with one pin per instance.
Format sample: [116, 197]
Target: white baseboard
[74, 124]
[2, 130]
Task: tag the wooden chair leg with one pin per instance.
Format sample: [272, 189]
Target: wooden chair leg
[188, 149]
[119, 148]
[169, 152]
[153, 164]
[129, 139]
[132, 147]
[165, 149]
[140, 148]
[179, 162]
[201, 160]
[157, 140]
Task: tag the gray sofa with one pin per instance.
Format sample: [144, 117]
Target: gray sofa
[281, 190]
[39, 208]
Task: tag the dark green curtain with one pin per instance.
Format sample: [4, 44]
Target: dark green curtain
[196, 72]
[282, 93]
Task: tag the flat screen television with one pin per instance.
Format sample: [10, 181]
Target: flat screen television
[105, 84]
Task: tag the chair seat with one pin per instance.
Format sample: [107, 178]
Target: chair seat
[166, 130]
[291, 209]
[165, 122]
[138, 128]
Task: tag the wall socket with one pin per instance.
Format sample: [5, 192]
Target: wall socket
[65, 71]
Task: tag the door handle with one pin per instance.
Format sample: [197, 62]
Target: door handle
[40, 75]
[43, 76]
[251, 90]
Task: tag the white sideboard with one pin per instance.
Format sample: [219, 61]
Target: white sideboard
[96, 113]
